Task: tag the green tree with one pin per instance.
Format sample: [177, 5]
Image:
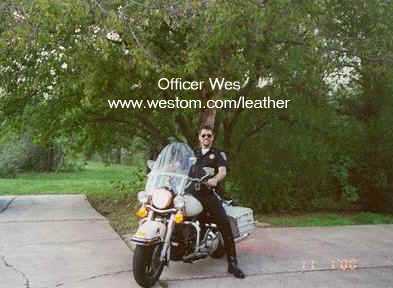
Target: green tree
[61, 61]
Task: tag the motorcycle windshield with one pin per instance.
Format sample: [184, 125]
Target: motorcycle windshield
[171, 168]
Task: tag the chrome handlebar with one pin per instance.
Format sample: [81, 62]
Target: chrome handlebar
[199, 180]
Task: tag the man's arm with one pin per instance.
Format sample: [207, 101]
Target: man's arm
[222, 163]
[222, 172]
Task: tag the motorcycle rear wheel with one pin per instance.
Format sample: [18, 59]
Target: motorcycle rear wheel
[147, 266]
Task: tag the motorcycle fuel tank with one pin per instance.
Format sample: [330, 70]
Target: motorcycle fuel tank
[192, 206]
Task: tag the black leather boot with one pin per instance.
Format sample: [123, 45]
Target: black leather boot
[234, 269]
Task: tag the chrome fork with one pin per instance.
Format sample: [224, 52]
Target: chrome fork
[167, 241]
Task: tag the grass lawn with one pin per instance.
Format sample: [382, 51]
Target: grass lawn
[98, 182]
[325, 219]
[96, 179]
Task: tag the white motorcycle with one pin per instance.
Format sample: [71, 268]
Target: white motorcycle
[173, 226]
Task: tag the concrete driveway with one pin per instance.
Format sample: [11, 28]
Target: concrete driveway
[60, 241]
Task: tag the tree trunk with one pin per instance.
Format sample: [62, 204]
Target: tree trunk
[117, 156]
[51, 158]
[208, 118]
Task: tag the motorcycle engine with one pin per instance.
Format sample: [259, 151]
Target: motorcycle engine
[183, 241]
[212, 241]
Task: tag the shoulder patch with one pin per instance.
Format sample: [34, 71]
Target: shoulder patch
[223, 155]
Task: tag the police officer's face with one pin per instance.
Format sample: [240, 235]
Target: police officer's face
[206, 138]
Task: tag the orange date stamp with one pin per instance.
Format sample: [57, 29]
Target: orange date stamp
[336, 264]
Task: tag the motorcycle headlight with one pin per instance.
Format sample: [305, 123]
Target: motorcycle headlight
[179, 202]
[161, 198]
[143, 197]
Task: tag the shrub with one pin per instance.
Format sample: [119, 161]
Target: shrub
[12, 157]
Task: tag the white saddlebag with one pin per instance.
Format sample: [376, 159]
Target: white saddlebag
[241, 219]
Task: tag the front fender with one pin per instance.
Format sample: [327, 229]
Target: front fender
[149, 232]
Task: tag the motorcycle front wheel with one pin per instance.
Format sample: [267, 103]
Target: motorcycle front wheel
[147, 266]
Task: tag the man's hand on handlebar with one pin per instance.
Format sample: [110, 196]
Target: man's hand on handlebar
[212, 182]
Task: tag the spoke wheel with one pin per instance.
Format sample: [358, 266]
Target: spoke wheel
[147, 266]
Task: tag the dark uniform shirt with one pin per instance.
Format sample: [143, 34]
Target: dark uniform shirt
[212, 160]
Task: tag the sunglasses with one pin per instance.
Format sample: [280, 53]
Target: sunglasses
[207, 135]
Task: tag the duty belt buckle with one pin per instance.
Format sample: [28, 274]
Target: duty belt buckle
[197, 186]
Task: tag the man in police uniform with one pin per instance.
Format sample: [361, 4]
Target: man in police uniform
[216, 163]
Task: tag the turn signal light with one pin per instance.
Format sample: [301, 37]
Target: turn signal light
[142, 212]
[179, 218]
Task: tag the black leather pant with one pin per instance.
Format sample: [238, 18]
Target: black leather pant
[214, 207]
